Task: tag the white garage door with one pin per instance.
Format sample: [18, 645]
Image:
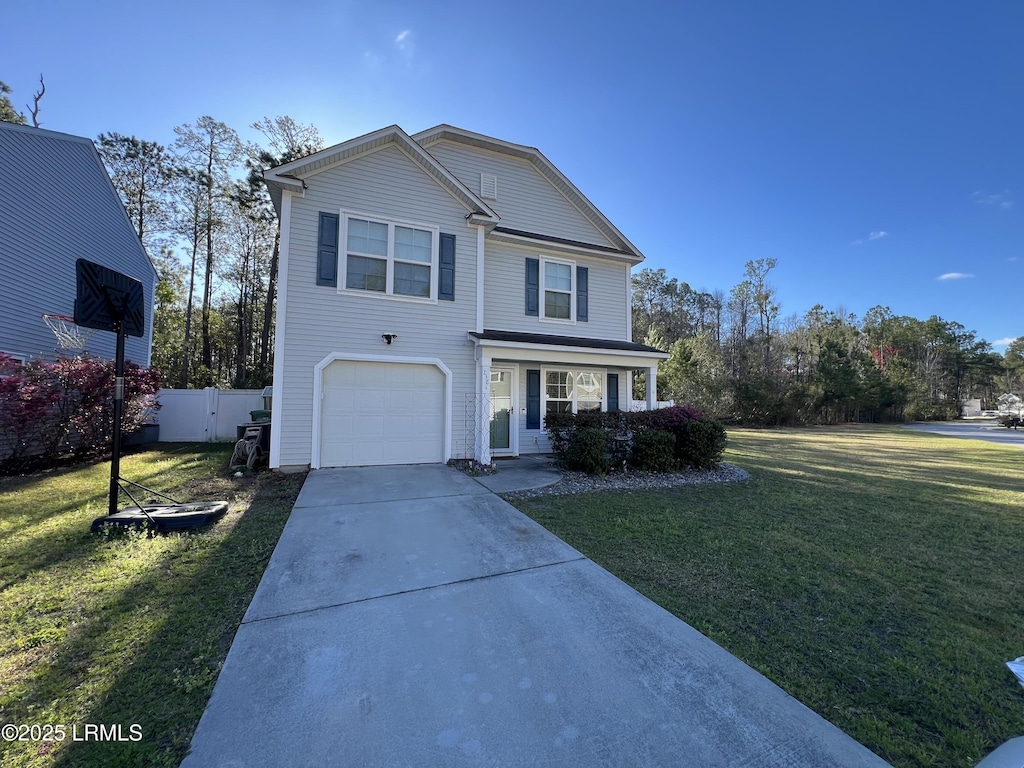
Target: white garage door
[381, 413]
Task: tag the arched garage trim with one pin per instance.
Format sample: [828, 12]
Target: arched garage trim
[318, 383]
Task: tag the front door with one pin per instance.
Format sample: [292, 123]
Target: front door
[501, 411]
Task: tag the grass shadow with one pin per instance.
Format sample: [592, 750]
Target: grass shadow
[148, 646]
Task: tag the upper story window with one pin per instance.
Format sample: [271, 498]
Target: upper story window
[557, 290]
[558, 293]
[389, 257]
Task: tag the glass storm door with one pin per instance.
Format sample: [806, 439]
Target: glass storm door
[501, 410]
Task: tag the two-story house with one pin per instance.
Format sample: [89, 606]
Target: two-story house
[439, 294]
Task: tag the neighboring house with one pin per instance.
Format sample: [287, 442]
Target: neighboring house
[57, 205]
[1009, 403]
[439, 294]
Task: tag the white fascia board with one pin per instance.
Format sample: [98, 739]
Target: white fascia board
[392, 136]
[557, 353]
[549, 170]
[537, 244]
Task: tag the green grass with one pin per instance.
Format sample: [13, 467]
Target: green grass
[130, 629]
[874, 573]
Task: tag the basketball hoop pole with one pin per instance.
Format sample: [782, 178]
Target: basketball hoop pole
[115, 461]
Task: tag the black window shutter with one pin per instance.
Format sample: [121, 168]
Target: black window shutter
[327, 250]
[533, 293]
[533, 399]
[446, 273]
[613, 392]
[582, 290]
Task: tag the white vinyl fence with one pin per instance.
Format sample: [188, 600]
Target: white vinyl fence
[205, 415]
[641, 405]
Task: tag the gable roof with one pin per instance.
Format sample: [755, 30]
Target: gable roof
[292, 176]
[40, 151]
[57, 203]
[545, 167]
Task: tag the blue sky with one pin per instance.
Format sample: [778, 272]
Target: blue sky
[873, 148]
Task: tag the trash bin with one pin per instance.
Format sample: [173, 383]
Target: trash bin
[259, 415]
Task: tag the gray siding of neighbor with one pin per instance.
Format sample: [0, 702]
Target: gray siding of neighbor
[526, 200]
[319, 320]
[505, 300]
[57, 205]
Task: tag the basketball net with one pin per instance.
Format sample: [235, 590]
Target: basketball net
[69, 336]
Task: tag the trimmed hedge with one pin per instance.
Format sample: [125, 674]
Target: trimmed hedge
[588, 451]
[653, 450]
[695, 441]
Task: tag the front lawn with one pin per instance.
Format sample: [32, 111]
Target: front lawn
[874, 573]
[125, 630]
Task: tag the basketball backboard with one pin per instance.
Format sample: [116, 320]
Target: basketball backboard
[105, 296]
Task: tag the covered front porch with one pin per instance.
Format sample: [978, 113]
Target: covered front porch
[523, 376]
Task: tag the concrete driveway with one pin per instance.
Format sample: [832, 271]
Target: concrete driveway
[410, 617]
[991, 432]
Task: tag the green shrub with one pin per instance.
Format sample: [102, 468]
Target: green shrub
[653, 451]
[699, 443]
[588, 451]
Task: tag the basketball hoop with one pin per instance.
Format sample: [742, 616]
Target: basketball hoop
[69, 336]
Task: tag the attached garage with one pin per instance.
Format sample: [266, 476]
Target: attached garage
[382, 413]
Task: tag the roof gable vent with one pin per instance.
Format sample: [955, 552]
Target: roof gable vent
[488, 186]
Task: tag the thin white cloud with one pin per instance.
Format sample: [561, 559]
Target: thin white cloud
[1014, 258]
[871, 236]
[1004, 342]
[403, 36]
[1001, 200]
[954, 276]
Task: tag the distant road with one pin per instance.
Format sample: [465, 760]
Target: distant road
[994, 432]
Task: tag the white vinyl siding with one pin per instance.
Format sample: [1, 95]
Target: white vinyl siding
[319, 320]
[505, 302]
[528, 201]
[57, 205]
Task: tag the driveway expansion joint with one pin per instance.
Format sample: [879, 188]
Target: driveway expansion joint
[469, 580]
[335, 505]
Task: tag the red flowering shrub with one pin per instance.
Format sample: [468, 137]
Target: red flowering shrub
[46, 408]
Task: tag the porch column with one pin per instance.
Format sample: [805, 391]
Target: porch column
[652, 388]
[483, 420]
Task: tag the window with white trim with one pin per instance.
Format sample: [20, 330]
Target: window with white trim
[557, 289]
[573, 391]
[390, 258]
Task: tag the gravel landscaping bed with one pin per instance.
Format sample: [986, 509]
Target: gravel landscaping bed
[580, 482]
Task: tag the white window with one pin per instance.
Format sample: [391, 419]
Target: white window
[557, 290]
[568, 391]
[390, 258]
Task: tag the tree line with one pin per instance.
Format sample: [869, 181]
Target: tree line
[206, 219]
[736, 357]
